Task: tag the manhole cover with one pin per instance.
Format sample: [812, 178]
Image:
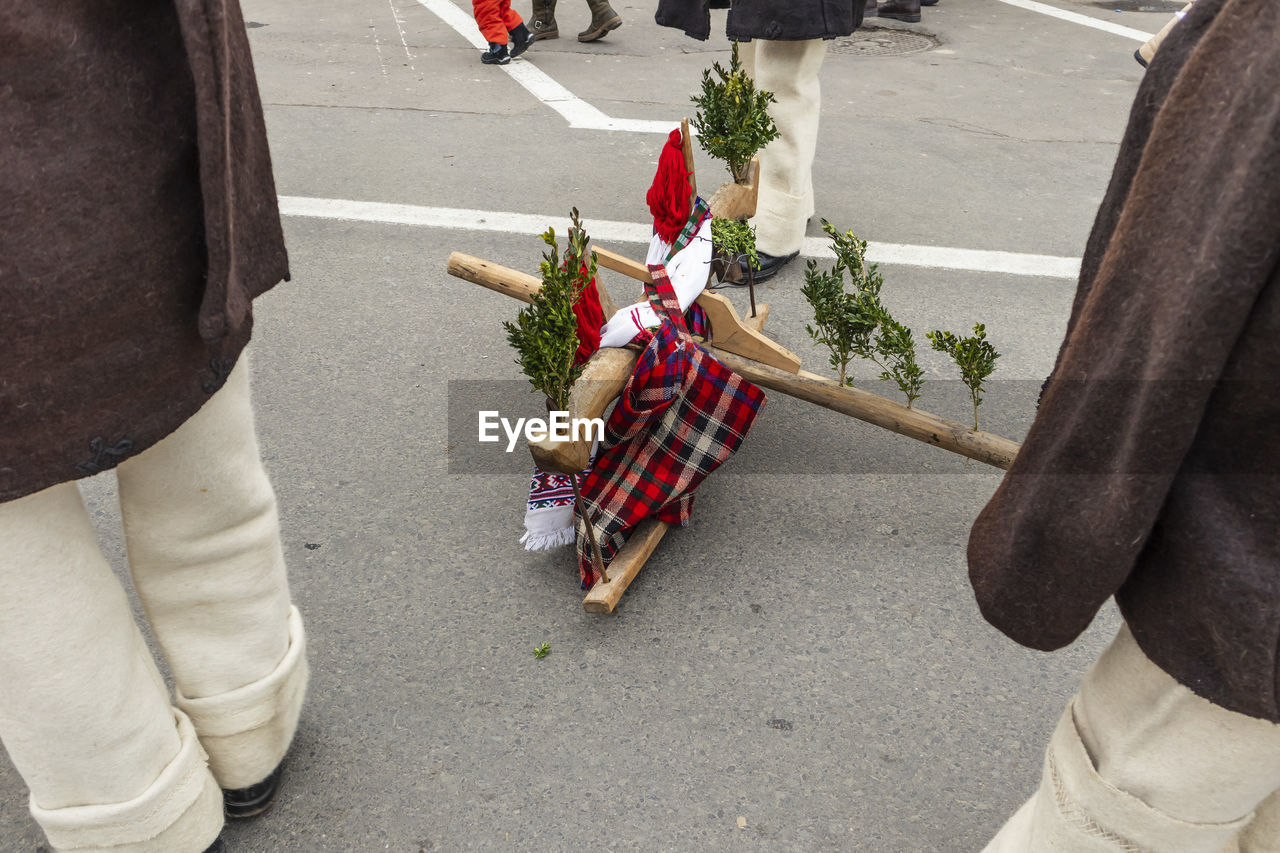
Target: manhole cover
[882, 41]
[1166, 6]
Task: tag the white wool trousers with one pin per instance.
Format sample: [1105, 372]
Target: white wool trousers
[1140, 764]
[112, 764]
[788, 69]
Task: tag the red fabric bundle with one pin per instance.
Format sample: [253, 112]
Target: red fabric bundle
[669, 197]
[590, 320]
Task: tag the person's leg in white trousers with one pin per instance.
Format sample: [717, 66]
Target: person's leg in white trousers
[84, 713]
[1140, 763]
[788, 69]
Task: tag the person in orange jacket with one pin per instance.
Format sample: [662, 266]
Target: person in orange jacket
[503, 28]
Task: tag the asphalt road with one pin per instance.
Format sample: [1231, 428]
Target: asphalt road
[804, 667]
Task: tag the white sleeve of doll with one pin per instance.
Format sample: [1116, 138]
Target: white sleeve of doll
[688, 272]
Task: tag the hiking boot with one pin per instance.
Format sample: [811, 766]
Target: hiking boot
[900, 10]
[603, 19]
[496, 54]
[544, 20]
[520, 40]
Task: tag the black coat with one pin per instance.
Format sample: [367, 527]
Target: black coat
[1152, 470]
[793, 20]
[138, 221]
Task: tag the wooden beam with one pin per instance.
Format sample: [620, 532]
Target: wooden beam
[622, 264]
[863, 405]
[882, 412]
[513, 283]
[738, 201]
[603, 597]
[602, 380]
[686, 146]
[606, 302]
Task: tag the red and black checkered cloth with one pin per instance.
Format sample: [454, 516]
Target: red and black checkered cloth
[681, 414]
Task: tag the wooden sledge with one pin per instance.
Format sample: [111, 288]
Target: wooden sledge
[764, 362]
[742, 345]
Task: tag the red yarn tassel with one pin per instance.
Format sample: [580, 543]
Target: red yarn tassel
[669, 197]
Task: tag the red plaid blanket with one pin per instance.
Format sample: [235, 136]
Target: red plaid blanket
[680, 416]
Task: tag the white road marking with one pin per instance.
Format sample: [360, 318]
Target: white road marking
[578, 112]
[395, 13]
[378, 47]
[606, 231]
[584, 116]
[1083, 20]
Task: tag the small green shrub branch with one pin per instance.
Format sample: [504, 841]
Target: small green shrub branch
[842, 322]
[545, 335]
[734, 239]
[857, 324]
[975, 356]
[896, 351]
[732, 120]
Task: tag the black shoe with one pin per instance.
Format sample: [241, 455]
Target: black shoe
[217, 846]
[769, 266]
[254, 800]
[521, 38]
[496, 54]
[900, 10]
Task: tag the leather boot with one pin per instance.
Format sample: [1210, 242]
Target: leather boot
[900, 10]
[240, 803]
[603, 19]
[543, 24]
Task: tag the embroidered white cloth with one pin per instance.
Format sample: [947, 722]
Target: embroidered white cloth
[548, 519]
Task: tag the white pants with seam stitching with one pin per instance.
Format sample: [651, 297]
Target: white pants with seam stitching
[111, 764]
[1140, 764]
[788, 69]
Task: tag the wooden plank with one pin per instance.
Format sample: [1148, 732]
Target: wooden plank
[757, 322]
[603, 597]
[738, 201]
[602, 379]
[686, 146]
[623, 264]
[606, 302]
[729, 333]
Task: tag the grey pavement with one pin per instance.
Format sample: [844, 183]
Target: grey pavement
[804, 667]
